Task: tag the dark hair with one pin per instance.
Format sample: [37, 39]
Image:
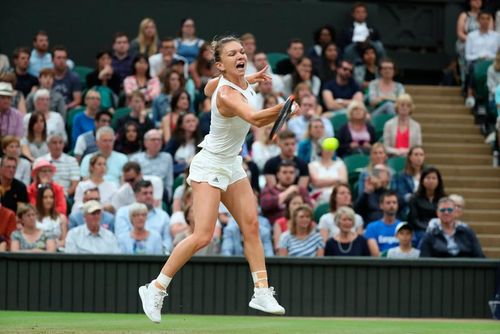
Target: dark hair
[179, 135]
[142, 184]
[40, 33]
[166, 81]
[296, 79]
[42, 188]
[439, 192]
[6, 158]
[119, 35]
[218, 44]
[387, 60]
[345, 60]
[35, 116]
[483, 12]
[287, 204]
[46, 71]
[100, 113]
[388, 193]
[102, 53]
[408, 169]
[286, 134]
[132, 165]
[357, 5]
[19, 50]
[138, 58]
[182, 23]
[175, 99]
[59, 48]
[167, 39]
[294, 41]
[366, 47]
[333, 196]
[201, 62]
[317, 32]
[285, 163]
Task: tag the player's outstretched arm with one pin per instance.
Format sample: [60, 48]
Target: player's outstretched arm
[252, 79]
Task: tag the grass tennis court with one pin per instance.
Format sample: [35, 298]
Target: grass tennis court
[45, 322]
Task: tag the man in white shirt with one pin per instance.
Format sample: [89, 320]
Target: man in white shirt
[163, 60]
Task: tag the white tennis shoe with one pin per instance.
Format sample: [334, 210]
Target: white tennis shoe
[152, 301]
[263, 300]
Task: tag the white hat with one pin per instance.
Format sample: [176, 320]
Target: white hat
[6, 89]
[91, 206]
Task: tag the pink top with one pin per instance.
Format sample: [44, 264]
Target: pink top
[360, 136]
[402, 138]
[152, 89]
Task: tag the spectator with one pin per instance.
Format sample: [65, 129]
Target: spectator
[402, 132]
[384, 91]
[323, 36]
[125, 194]
[18, 102]
[340, 92]
[295, 52]
[375, 185]
[184, 142]
[154, 162]
[30, 238]
[46, 81]
[67, 172]
[327, 67]
[287, 144]
[458, 212]
[141, 80]
[11, 119]
[147, 42]
[25, 81]
[358, 135]
[4, 63]
[250, 45]
[368, 70]
[53, 223]
[493, 80]
[55, 122]
[104, 74]
[281, 225]
[66, 82]
[302, 239]
[105, 139]
[90, 238]
[163, 62]
[260, 62]
[157, 219]
[86, 142]
[406, 183]
[34, 145]
[358, 34]
[187, 44]
[139, 240]
[180, 104]
[232, 239]
[308, 111]
[97, 179]
[346, 242]
[40, 56]
[326, 173]
[138, 114]
[13, 191]
[265, 92]
[302, 90]
[378, 156]
[173, 82]
[303, 72]
[381, 233]
[449, 239]
[10, 148]
[77, 218]
[309, 148]
[404, 233]
[340, 197]
[8, 224]
[424, 203]
[85, 121]
[130, 140]
[202, 69]
[273, 197]
[121, 60]
[43, 175]
[264, 148]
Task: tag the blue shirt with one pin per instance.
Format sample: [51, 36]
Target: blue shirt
[384, 235]
[302, 247]
[345, 92]
[151, 245]
[67, 85]
[160, 107]
[114, 165]
[232, 243]
[107, 220]
[188, 49]
[39, 62]
[157, 220]
[161, 165]
[81, 124]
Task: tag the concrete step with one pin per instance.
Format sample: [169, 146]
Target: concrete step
[482, 204]
[485, 227]
[459, 148]
[439, 100]
[444, 118]
[489, 240]
[482, 215]
[451, 170]
[432, 90]
[470, 193]
[444, 129]
[492, 252]
[472, 182]
[436, 138]
[458, 159]
[428, 108]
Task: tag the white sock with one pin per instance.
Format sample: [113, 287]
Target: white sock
[163, 280]
[258, 281]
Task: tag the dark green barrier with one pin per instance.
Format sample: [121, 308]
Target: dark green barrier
[222, 285]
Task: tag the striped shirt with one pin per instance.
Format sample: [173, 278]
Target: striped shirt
[302, 247]
[67, 169]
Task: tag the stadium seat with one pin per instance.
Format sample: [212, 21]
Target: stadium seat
[274, 58]
[82, 72]
[338, 120]
[320, 210]
[379, 122]
[71, 117]
[397, 163]
[119, 113]
[355, 164]
[179, 180]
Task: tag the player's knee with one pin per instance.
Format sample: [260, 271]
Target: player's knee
[252, 230]
[203, 240]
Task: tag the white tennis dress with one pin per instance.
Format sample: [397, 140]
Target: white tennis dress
[219, 162]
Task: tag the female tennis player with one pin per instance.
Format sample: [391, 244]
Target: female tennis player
[216, 175]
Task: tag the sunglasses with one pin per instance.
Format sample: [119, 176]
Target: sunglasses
[449, 210]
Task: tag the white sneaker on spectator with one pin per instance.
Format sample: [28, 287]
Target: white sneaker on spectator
[470, 102]
[152, 301]
[263, 300]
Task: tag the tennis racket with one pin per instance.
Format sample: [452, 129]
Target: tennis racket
[283, 117]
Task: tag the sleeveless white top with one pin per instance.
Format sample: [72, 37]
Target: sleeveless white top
[227, 134]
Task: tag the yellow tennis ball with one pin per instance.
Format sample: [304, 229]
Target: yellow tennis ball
[330, 144]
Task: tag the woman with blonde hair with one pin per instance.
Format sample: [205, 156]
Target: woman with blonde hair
[346, 242]
[309, 148]
[402, 131]
[147, 41]
[30, 238]
[358, 135]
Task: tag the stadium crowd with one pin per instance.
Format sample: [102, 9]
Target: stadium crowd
[95, 160]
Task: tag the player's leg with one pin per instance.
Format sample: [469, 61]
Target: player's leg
[205, 207]
[240, 200]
